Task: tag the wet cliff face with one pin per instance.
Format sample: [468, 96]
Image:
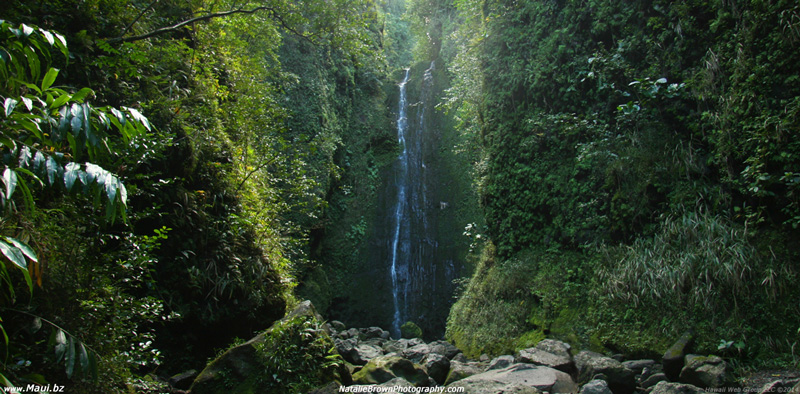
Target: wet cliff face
[415, 248]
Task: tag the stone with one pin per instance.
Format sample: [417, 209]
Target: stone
[637, 366]
[484, 358]
[620, 380]
[676, 388]
[417, 352]
[500, 362]
[460, 370]
[385, 368]
[673, 358]
[704, 372]
[460, 357]
[553, 346]
[183, 380]
[596, 386]
[397, 346]
[562, 362]
[345, 347]
[338, 326]
[652, 380]
[444, 348]
[361, 354]
[372, 332]
[518, 376]
[437, 365]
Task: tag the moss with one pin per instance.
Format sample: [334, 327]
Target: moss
[410, 330]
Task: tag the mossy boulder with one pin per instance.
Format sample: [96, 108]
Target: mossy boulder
[293, 352]
[383, 369]
[410, 330]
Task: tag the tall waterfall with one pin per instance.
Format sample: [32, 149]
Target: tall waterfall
[412, 248]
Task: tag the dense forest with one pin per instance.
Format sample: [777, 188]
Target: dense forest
[178, 175]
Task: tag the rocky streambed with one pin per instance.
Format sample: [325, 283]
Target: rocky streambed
[374, 362]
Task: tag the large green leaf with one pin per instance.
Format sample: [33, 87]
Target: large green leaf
[70, 360]
[71, 174]
[8, 105]
[59, 341]
[14, 254]
[10, 180]
[24, 248]
[49, 78]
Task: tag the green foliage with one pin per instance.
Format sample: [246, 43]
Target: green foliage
[410, 330]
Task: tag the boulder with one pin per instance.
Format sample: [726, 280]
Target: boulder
[385, 368]
[183, 380]
[345, 347]
[460, 370]
[361, 354]
[444, 348]
[620, 380]
[500, 362]
[637, 366]
[676, 388]
[653, 380]
[562, 362]
[596, 386]
[241, 369]
[338, 326]
[553, 346]
[391, 384]
[673, 358]
[704, 372]
[417, 353]
[519, 377]
[374, 332]
[437, 365]
[397, 346]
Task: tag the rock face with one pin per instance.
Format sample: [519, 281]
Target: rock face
[437, 365]
[519, 377]
[704, 372]
[593, 365]
[460, 370]
[385, 368]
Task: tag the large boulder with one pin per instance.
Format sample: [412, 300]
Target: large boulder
[704, 372]
[444, 348]
[437, 365]
[519, 377]
[593, 365]
[596, 386]
[500, 362]
[265, 362]
[676, 388]
[673, 358]
[460, 370]
[417, 353]
[385, 368]
[362, 353]
[554, 357]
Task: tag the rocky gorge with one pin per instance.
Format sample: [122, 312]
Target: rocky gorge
[369, 360]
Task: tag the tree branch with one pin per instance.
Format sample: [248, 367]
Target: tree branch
[138, 17]
[167, 29]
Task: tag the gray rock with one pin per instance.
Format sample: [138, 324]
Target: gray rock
[500, 362]
[673, 358]
[652, 380]
[183, 380]
[484, 358]
[354, 333]
[460, 370]
[637, 366]
[338, 326]
[444, 348]
[704, 372]
[460, 357]
[517, 377]
[553, 346]
[676, 388]
[372, 332]
[596, 386]
[417, 353]
[562, 362]
[397, 346]
[437, 365]
[620, 380]
[362, 353]
[385, 368]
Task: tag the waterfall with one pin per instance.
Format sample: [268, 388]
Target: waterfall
[413, 244]
[401, 181]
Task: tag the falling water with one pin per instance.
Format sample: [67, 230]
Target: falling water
[413, 245]
[400, 209]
